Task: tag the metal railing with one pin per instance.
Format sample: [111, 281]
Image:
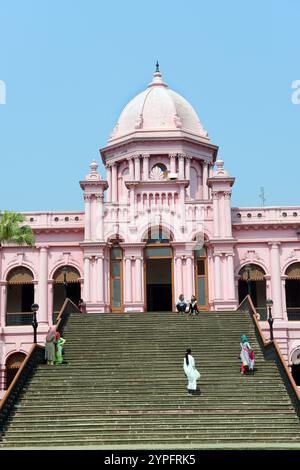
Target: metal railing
[272, 351]
[35, 356]
[18, 318]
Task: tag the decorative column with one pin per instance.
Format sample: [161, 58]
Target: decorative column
[173, 163]
[217, 270]
[146, 158]
[50, 302]
[128, 283]
[87, 279]
[43, 285]
[182, 206]
[114, 177]
[137, 168]
[204, 180]
[276, 280]
[190, 284]
[188, 174]
[138, 277]
[181, 167]
[179, 275]
[210, 175]
[227, 214]
[230, 277]
[100, 277]
[87, 216]
[108, 172]
[131, 168]
[283, 296]
[99, 217]
[215, 196]
[3, 302]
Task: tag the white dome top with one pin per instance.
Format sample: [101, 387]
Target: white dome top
[158, 110]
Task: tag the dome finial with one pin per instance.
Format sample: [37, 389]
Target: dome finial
[157, 66]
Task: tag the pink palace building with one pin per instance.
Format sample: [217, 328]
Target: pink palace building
[159, 225]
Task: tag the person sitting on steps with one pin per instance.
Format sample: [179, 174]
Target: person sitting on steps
[193, 310]
[181, 304]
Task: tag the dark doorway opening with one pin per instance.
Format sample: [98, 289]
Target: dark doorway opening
[159, 285]
[296, 373]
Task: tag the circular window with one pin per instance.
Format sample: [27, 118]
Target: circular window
[31, 219]
[284, 214]
[56, 219]
[238, 215]
[76, 218]
[67, 219]
[295, 214]
[249, 215]
[259, 215]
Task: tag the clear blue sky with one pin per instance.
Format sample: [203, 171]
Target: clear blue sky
[70, 66]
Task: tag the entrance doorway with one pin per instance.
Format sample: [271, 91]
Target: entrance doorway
[159, 284]
[66, 285]
[252, 282]
[292, 291]
[13, 363]
[158, 270]
[20, 296]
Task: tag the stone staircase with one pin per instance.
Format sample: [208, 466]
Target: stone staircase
[123, 383]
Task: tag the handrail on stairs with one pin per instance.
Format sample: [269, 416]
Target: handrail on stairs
[272, 351]
[35, 356]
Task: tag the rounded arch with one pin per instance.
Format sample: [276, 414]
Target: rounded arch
[12, 364]
[24, 265]
[292, 290]
[256, 263]
[20, 296]
[66, 284]
[163, 230]
[252, 282]
[205, 234]
[60, 265]
[112, 235]
[72, 274]
[295, 364]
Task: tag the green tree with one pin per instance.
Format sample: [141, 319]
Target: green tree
[12, 230]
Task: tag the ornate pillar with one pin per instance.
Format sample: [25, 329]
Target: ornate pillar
[50, 302]
[43, 285]
[181, 167]
[100, 277]
[188, 174]
[137, 168]
[227, 213]
[138, 272]
[283, 296]
[182, 206]
[128, 283]
[99, 217]
[172, 163]
[215, 196]
[217, 270]
[108, 171]
[179, 276]
[190, 283]
[131, 168]
[204, 181]
[230, 277]
[3, 302]
[87, 216]
[276, 280]
[87, 279]
[114, 177]
[146, 158]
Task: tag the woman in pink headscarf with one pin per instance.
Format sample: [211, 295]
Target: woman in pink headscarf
[50, 346]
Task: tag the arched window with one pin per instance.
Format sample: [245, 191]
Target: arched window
[252, 282]
[20, 296]
[116, 278]
[158, 172]
[292, 291]
[66, 284]
[13, 363]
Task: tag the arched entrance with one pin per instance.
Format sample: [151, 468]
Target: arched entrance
[20, 296]
[65, 284]
[296, 366]
[201, 278]
[12, 365]
[252, 281]
[158, 271]
[116, 277]
[292, 291]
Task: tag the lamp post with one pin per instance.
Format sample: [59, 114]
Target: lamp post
[269, 303]
[34, 309]
[65, 272]
[248, 279]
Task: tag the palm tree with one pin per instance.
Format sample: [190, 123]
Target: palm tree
[12, 230]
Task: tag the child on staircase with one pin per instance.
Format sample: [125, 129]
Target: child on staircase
[59, 349]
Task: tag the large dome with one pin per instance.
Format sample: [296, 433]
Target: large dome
[158, 111]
